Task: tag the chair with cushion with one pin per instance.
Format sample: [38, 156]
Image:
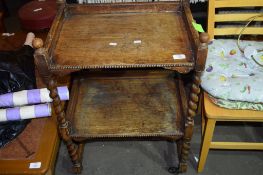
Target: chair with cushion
[230, 79]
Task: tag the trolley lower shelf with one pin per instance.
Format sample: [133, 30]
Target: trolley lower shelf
[126, 104]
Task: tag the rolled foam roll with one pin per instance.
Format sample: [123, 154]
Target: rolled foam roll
[25, 112]
[29, 97]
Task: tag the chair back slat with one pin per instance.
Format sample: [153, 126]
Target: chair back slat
[236, 17]
[228, 17]
[236, 30]
[238, 3]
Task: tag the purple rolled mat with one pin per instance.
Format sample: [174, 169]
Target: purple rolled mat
[33, 96]
[25, 112]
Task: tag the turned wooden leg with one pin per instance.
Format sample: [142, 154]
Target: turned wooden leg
[41, 60]
[64, 128]
[179, 144]
[189, 124]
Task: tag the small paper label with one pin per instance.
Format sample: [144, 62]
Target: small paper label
[137, 41]
[113, 44]
[36, 10]
[178, 56]
[35, 165]
[198, 27]
[8, 34]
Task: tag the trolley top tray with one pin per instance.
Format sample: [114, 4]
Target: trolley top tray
[122, 35]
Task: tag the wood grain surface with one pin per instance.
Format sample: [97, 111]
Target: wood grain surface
[85, 40]
[125, 104]
[140, 103]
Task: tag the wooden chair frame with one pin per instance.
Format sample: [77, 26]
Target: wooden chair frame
[212, 113]
[234, 17]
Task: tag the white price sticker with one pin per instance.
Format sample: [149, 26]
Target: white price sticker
[8, 34]
[137, 41]
[35, 165]
[113, 44]
[36, 10]
[178, 56]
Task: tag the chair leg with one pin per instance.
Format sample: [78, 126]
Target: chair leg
[203, 121]
[209, 130]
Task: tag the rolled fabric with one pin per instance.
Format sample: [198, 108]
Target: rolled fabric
[25, 112]
[29, 97]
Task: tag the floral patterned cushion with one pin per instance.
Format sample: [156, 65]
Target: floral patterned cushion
[236, 104]
[231, 76]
